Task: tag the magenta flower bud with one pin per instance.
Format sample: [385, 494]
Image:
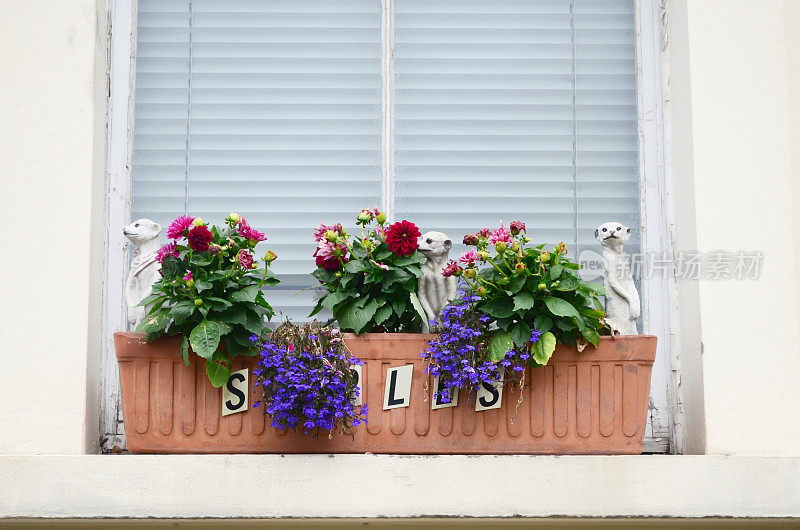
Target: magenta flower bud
[471, 239]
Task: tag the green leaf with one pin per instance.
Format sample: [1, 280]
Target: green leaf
[555, 272]
[592, 313]
[202, 285]
[333, 299]
[218, 369]
[254, 323]
[242, 336]
[248, 294]
[382, 314]
[415, 258]
[500, 344]
[566, 325]
[382, 254]
[543, 323]
[559, 307]
[500, 307]
[205, 338]
[270, 281]
[150, 299]
[568, 283]
[591, 335]
[543, 349]
[218, 304]
[399, 306]
[171, 266]
[317, 308]
[234, 315]
[414, 271]
[182, 310]
[200, 259]
[154, 324]
[185, 350]
[523, 301]
[595, 288]
[521, 334]
[517, 282]
[355, 318]
[224, 328]
[354, 266]
[417, 306]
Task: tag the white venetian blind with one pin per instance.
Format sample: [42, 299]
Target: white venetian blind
[504, 109]
[271, 108]
[517, 109]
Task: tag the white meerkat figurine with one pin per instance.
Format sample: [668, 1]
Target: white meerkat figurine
[144, 267]
[434, 290]
[622, 302]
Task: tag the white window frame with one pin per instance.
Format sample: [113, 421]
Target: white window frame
[659, 291]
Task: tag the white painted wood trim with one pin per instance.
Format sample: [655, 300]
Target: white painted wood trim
[659, 289]
[118, 186]
[387, 108]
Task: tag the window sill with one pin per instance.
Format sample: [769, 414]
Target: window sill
[269, 486]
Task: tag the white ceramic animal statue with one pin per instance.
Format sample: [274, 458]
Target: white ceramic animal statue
[622, 302]
[434, 290]
[144, 267]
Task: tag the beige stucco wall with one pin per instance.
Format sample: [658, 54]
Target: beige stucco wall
[735, 151]
[51, 176]
[735, 144]
[734, 114]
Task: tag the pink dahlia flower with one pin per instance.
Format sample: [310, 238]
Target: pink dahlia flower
[380, 265]
[179, 226]
[170, 249]
[247, 232]
[501, 234]
[469, 257]
[188, 276]
[319, 231]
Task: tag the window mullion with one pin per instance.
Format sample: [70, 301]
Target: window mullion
[387, 114]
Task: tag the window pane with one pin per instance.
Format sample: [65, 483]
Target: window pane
[514, 109]
[283, 123]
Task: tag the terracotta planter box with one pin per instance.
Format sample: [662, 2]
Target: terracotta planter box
[594, 402]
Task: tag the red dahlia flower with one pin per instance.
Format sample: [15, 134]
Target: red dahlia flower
[326, 257]
[245, 259]
[450, 269]
[517, 227]
[402, 238]
[199, 238]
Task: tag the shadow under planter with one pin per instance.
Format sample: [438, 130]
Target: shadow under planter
[593, 402]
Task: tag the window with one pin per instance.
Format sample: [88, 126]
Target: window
[502, 110]
[454, 114]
